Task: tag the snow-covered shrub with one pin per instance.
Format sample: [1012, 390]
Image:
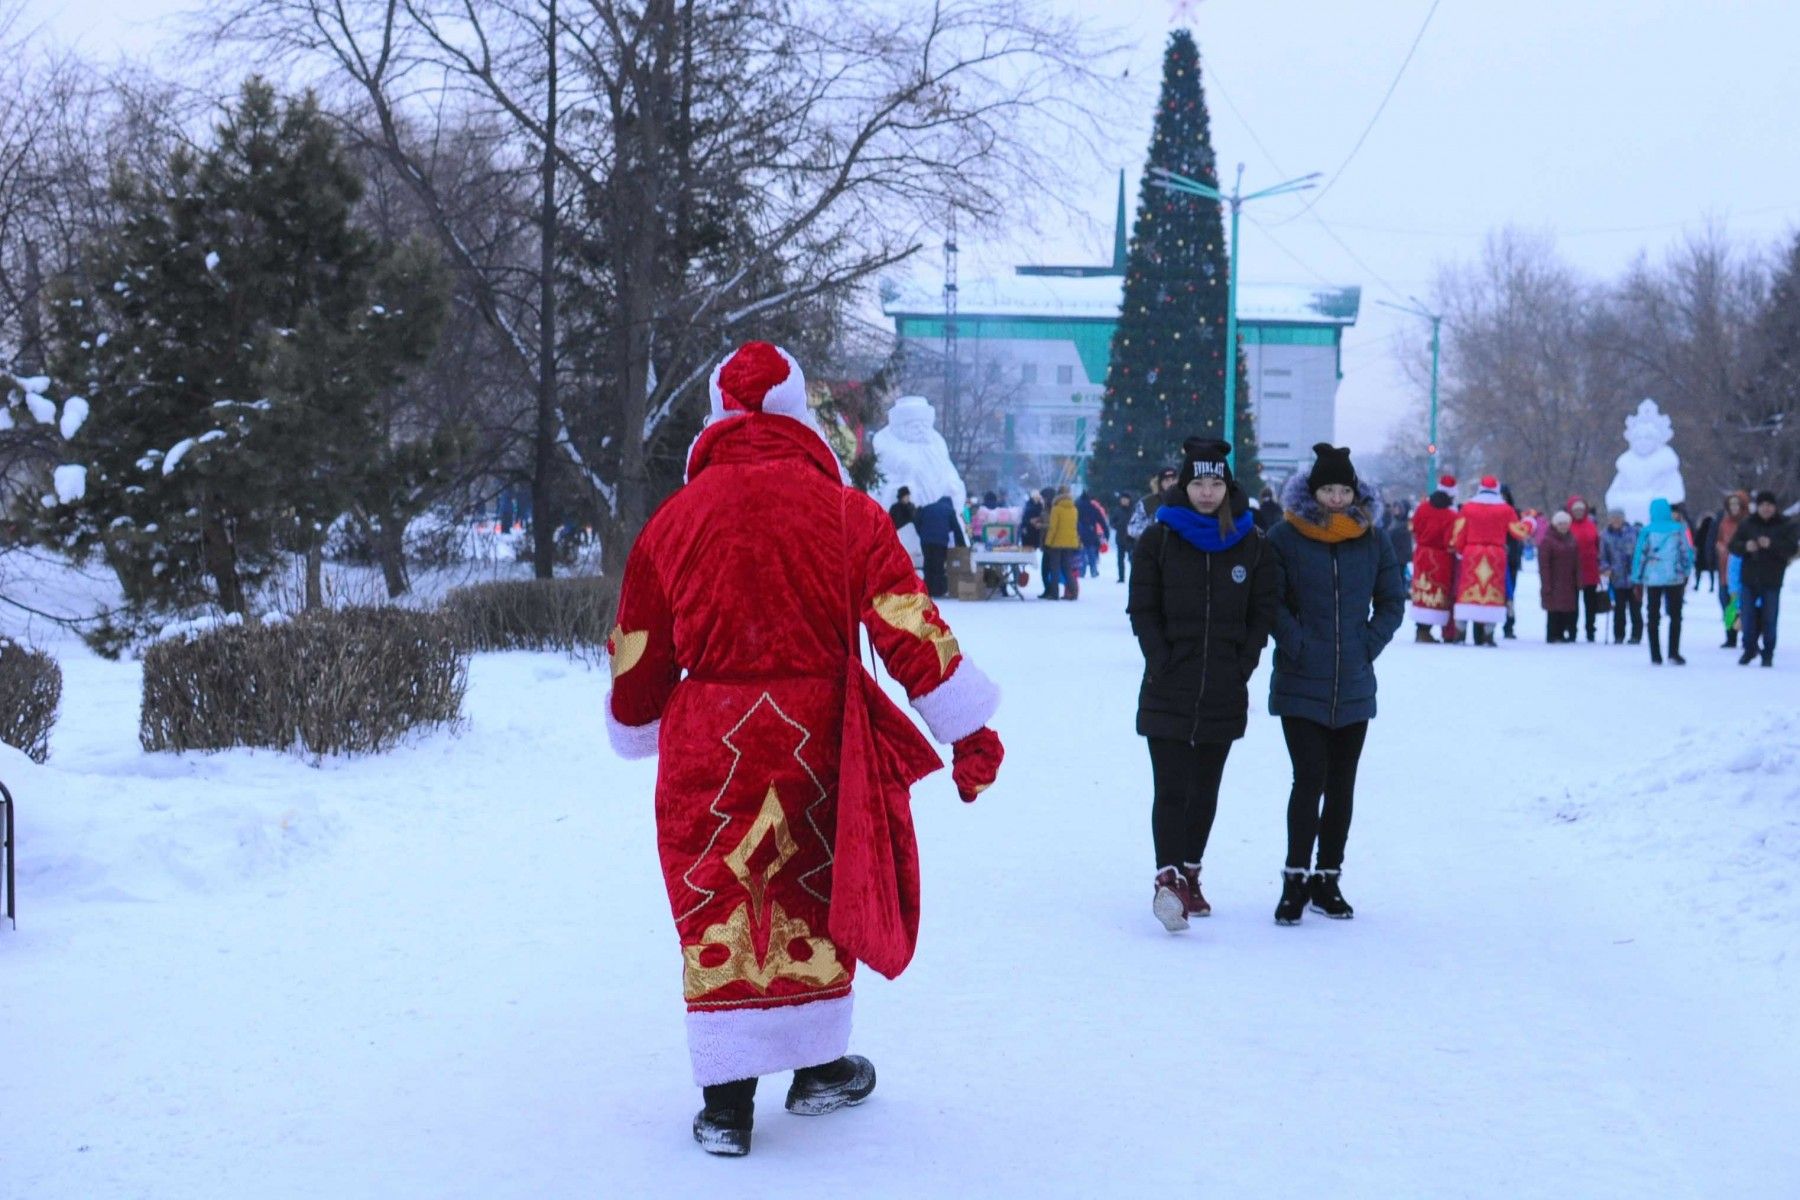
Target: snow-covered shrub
[325, 682]
[30, 690]
[572, 614]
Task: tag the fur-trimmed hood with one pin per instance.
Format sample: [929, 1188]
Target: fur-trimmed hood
[1297, 498]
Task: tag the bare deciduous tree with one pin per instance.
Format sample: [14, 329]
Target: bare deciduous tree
[718, 165]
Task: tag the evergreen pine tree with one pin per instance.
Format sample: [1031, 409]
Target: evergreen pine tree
[1166, 378]
[230, 338]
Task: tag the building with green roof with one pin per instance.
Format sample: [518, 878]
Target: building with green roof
[1033, 351]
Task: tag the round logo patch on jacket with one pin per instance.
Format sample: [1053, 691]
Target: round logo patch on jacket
[1239, 574]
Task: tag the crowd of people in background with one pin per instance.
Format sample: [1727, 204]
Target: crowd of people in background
[1461, 558]
[1466, 559]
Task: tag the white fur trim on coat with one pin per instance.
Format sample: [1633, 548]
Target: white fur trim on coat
[727, 1044]
[960, 705]
[1429, 616]
[1481, 614]
[631, 741]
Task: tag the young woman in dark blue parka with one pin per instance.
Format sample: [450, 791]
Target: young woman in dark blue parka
[1341, 597]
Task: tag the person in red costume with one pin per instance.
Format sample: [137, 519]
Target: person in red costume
[782, 816]
[1434, 566]
[1479, 540]
[1587, 556]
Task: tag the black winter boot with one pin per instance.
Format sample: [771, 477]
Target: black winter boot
[1293, 896]
[1322, 890]
[723, 1126]
[1730, 640]
[837, 1084]
[1506, 630]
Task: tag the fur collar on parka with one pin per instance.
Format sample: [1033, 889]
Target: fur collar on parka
[1297, 498]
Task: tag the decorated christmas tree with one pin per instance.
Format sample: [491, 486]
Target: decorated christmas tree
[1166, 379]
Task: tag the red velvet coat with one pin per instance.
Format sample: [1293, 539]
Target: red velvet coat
[1479, 540]
[781, 795]
[1434, 568]
[1587, 546]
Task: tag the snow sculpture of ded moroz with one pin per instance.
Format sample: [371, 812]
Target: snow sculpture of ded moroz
[911, 453]
[1648, 471]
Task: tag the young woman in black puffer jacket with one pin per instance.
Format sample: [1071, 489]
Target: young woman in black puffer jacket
[1342, 596]
[1202, 605]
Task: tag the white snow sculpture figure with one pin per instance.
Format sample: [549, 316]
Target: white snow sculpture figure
[911, 453]
[1650, 469]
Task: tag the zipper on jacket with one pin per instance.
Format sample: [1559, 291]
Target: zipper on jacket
[1205, 652]
[1337, 633]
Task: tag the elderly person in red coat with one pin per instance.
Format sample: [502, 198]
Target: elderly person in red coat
[1587, 548]
[781, 794]
[1559, 579]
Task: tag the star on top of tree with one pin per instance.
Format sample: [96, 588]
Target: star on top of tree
[1182, 10]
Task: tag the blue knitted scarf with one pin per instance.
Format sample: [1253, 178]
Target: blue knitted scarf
[1203, 532]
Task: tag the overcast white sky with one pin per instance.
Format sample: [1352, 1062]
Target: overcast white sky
[1613, 123]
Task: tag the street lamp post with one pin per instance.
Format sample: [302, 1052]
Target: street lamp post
[1436, 319]
[1170, 181]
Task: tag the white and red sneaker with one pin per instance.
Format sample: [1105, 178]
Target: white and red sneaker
[1170, 904]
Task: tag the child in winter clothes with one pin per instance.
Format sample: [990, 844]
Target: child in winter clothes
[1662, 561]
[1737, 507]
[1618, 542]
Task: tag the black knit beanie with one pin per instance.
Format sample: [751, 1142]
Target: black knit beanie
[1202, 458]
[1767, 497]
[1332, 465]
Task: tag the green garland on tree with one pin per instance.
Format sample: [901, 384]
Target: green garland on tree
[1166, 378]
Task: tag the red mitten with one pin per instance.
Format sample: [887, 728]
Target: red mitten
[976, 762]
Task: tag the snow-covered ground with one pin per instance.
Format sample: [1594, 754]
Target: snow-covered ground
[450, 971]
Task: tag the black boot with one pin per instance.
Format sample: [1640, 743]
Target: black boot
[1293, 896]
[1655, 646]
[837, 1084]
[1506, 630]
[1322, 890]
[1675, 647]
[1730, 640]
[723, 1126]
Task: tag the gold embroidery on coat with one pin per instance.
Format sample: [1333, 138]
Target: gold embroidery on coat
[906, 612]
[626, 649]
[737, 933]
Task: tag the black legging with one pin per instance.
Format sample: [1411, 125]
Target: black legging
[1187, 798]
[1324, 765]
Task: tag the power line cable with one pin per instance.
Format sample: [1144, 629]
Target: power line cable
[1319, 195]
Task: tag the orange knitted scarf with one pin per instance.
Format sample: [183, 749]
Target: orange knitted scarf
[1338, 527]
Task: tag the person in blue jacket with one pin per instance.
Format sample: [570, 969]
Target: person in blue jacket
[938, 525]
[1341, 597]
[1661, 564]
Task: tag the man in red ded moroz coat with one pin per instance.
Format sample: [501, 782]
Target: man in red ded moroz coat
[782, 788]
[1479, 541]
[1434, 567]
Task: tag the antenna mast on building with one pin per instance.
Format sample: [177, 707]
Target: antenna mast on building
[950, 361]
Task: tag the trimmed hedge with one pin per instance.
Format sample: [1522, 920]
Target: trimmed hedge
[329, 682]
[572, 614]
[30, 690]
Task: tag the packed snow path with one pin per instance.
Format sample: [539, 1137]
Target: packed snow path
[449, 972]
